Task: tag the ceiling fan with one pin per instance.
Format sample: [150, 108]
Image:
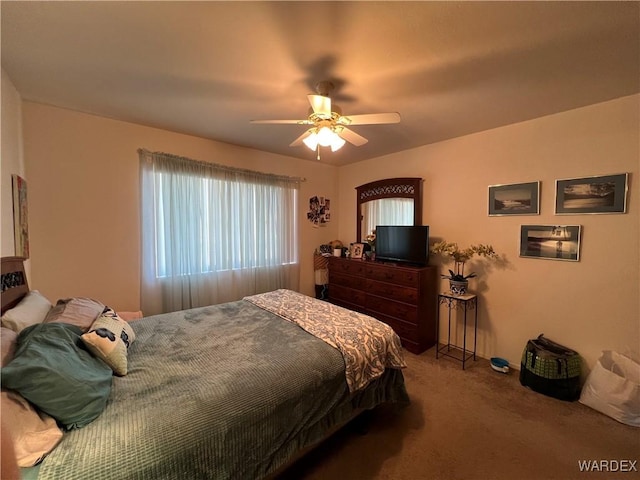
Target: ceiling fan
[329, 126]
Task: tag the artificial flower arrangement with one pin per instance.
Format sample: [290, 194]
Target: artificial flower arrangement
[371, 240]
[461, 256]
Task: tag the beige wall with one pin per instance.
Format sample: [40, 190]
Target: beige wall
[11, 160]
[83, 200]
[589, 305]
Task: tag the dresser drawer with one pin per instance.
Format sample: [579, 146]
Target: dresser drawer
[346, 294]
[406, 331]
[350, 281]
[397, 275]
[342, 265]
[350, 306]
[389, 290]
[402, 311]
[421, 335]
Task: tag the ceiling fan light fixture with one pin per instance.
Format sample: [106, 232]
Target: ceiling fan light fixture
[325, 136]
[337, 142]
[311, 141]
[329, 128]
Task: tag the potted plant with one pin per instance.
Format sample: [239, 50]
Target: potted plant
[458, 281]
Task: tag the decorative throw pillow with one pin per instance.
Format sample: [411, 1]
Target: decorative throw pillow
[32, 309]
[53, 370]
[109, 338]
[79, 311]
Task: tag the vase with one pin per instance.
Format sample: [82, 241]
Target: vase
[458, 287]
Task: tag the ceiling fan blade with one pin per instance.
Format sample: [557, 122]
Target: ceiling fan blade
[293, 122]
[370, 119]
[351, 136]
[321, 105]
[298, 141]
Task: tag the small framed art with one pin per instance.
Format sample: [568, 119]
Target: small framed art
[357, 249]
[552, 242]
[20, 220]
[602, 194]
[514, 199]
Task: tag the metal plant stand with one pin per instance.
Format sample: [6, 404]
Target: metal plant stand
[463, 303]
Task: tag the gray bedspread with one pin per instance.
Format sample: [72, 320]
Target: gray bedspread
[222, 392]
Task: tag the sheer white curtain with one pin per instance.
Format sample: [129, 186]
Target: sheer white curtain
[386, 211]
[213, 234]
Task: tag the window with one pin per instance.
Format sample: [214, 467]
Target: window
[213, 233]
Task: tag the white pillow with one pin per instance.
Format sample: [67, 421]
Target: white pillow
[32, 309]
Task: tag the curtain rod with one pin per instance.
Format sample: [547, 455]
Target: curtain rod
[144, 151]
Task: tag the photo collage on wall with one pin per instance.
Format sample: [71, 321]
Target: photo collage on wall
[319, 210]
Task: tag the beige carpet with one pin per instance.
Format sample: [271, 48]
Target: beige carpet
[473, 424]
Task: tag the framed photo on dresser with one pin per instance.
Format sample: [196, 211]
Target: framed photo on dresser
[357, 250]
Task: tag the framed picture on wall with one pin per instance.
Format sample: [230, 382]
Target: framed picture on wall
[20, 217]
[601, 194]
[514, 199]
[552, 242]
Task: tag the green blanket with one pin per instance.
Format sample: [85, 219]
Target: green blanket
[226, 392]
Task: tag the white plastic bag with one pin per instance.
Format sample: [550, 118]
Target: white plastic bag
[613, 388]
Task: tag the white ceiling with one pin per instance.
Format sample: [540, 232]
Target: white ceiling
[207, 68]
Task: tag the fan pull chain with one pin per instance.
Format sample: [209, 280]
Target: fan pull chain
[318, 147]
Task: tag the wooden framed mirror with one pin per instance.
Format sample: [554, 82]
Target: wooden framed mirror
[392, 201]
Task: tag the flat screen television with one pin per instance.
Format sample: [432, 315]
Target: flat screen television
[403, 243]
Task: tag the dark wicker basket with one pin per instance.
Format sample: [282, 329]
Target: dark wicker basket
[551, 369]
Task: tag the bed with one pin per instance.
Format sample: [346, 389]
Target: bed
[231, 391]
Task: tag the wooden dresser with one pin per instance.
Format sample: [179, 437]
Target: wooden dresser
[401, 296]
